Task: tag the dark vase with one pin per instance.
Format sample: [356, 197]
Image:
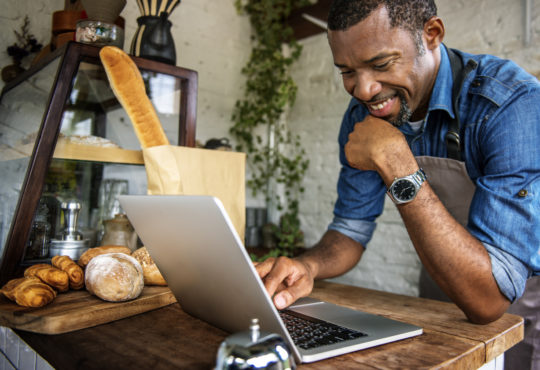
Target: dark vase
[153, 39]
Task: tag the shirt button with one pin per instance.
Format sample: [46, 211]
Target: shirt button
[522, 193]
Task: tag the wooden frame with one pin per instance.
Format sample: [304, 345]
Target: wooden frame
[32, 187]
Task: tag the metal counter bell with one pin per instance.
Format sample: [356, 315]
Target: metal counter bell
[254, 349]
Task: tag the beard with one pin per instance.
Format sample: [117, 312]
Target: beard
[405, 112]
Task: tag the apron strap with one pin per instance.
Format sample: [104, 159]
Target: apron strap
[459, 73]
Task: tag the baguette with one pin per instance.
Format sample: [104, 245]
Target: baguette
[74, 271]
[50, 275]
[96, 251]
[28, 292]
[128, 86]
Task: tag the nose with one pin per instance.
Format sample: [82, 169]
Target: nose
[366, 86]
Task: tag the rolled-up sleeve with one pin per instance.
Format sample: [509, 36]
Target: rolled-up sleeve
[358, 230]
[509, 273]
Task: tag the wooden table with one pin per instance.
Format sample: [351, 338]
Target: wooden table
[169, 338]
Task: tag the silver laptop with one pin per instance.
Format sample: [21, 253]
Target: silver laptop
[198, 251]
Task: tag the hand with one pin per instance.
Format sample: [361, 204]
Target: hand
[285, 279]
[374, 143]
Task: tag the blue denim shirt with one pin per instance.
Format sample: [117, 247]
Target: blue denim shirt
[500, 133]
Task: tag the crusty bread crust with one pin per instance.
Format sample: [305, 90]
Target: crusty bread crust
[96, 251]
[114, 277]
[128, 86]
[152, 275]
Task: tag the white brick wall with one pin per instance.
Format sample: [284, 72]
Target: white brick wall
[211, 38]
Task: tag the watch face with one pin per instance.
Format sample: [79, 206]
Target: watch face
[404, 190]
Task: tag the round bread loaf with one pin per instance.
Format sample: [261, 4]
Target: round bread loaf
[114, 277]
[104, 249]
[151, 273]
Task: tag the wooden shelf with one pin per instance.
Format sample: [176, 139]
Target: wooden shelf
[66, 150]
[303, 28]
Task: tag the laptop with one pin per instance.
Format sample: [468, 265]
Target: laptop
[197, 249]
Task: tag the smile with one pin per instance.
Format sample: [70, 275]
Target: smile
[376, 107]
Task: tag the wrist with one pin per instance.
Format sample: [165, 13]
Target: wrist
[311, 265]
[396, 164]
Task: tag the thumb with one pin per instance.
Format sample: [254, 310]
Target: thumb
[283, 299]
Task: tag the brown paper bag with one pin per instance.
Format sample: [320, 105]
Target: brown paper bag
[192, 171]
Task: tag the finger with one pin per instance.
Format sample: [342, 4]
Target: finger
[282, 269]
[287, 296]
[263, 268]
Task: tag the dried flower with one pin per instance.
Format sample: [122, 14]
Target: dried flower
[26, 43]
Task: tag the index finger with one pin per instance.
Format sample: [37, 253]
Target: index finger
[276, 273]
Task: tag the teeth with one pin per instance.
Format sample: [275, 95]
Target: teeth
[380, 105]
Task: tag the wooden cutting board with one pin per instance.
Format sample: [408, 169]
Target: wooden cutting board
[76, 310]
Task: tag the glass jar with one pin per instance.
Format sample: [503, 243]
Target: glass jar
[39, 240]
[99, 33]
[119, 231]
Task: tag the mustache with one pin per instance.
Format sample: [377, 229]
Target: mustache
[380, 98]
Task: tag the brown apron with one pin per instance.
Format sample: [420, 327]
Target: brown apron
[449, 180]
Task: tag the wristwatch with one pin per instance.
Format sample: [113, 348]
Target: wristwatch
[404, 189]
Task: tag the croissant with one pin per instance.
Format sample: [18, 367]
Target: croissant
[28, 292]
[74, 271]
[56, 278]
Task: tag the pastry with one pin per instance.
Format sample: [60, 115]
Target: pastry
[96, 251]
[74, 271]
[151, 273]
[114, 277]
[50, 275]
[28, 292]
[128, 86]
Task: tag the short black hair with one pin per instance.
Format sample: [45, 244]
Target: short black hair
[410, 15]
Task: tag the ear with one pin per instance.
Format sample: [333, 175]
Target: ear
[434, 32]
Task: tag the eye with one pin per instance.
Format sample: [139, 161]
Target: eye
[383, 66]
[345, 72]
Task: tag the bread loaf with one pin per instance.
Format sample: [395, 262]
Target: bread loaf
[74, 271]
[128, 86]
[28, 292]
[114, 277]
[96, 251]
[50, 275]
[151, 273]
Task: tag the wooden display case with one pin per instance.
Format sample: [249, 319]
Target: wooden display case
[62, 132]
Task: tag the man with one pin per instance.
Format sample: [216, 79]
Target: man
[478, 144]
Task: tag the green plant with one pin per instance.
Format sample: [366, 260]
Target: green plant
[269, 92]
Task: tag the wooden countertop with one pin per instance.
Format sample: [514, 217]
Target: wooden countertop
[169, 338]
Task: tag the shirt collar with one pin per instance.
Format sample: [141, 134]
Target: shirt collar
[441, 96]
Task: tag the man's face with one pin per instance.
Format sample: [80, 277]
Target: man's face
[382, 67]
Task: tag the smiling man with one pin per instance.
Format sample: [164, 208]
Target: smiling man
[453, 138]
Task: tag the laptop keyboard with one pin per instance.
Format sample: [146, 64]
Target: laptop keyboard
[308, 332]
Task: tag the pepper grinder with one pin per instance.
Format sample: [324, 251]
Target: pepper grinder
[71, 210]
[70, 242]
